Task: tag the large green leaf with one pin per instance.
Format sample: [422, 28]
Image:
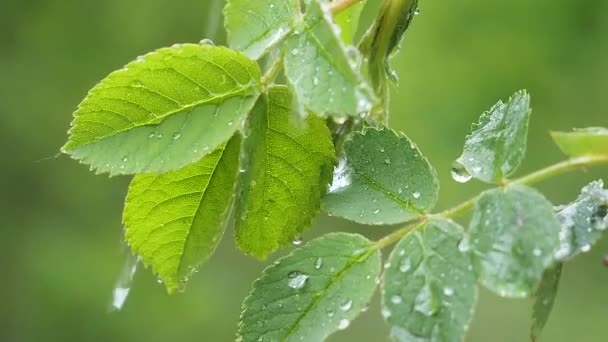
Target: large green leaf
[513, 235]
[287, 167]
[316, 290]
[582, 142]
[322, 70]
[545, 298]
[430, 288]
[382, 179]
[254, 26]
[583, 221]
[497, 144]
[165, 110]
[174, 221]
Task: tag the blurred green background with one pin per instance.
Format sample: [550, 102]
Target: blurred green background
[61, 229]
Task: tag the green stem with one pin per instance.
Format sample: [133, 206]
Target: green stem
[460, 209]
[340, 5]
[272, 72]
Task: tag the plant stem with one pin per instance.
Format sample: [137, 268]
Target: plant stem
[340, 5]
[272, 72]
[534, 177]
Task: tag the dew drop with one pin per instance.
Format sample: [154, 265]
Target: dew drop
[459, 173]
[416, 195]
[297, 242]
[125, 159]
[377, 211]
[536, 252]
[585, 248]
[318, 263]
[176, 136]
[386, 313]
[396, 299]
[346, 305]
[448, 291]
[463, 245]
[206, 41]
[343, 324]
[151, 135]
[297, 280]
[405, 266]
[330, 313]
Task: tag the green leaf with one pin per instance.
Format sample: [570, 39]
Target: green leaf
[316, 290]
[513, 235]
[348, 22]
[583, 142]
[255, 26]
[165, 110]
[382, 179]
[430, 288]
[174, 221]
[287, 167]
[583, 221]
[497, 144]
[544, 300]
[323, 70]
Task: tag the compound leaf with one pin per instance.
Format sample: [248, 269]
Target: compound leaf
[513, 236]
[582, 142]
[316, 290]
[497, 144]
[253, 27]
[322, 70]
[544, 299]
[174, 221]
[165, 110]
[583, 221]
[430, 288]
[287, 167]
[381, 179]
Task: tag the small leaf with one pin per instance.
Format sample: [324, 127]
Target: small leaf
[382, 179]
[174, 221]
[255, 26]
[348, 22]
[583, 142]
[322, 70]
[513, 234]
[316, 290]
[165, 110]
[497, 144]
[430, 288]
[285, 173]
[583, 221]
[545, 298]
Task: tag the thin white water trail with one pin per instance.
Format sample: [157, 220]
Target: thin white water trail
[124, 281]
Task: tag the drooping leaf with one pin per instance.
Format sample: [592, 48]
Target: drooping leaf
[174, 221]
[497, 144]
[430, 287]
[254, 26]
[545, 298]
[583, 221]
[316, 290]
[381, 179]
[287, 168]
[323, 70]
[165, 110]
[348, 22]
[513, 236]
[583, 142]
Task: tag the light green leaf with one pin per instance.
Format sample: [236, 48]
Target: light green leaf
[316, 290]
[430, 288]
[287, 167]
[174, 221]
[583, 221]
[255, 26]
[544, 300]
[322, 70]
[513, 235]
[382, 179]
[348, 22]
[497, 144]
[583, 142]
[165, 110]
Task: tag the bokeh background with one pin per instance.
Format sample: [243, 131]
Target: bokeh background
[61, 248]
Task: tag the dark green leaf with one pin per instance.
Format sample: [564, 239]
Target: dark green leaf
[287, 167]
[314, 291]
[430, 288]
[513, 235]
[583, 142]
[583, 221]
[545, 298]
[174, 221]
[382, 179]
[165, 110]
[254, 26]
[497, 144]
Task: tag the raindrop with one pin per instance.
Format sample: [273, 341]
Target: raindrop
[159, 136]
[342, 176]
[294, 52]
[151, 135]
[123, 284]
[459, 173]
[585, 248]
[230, 123]
[417, 11]
[297, 280]
[176, 136]
[405, 266]
[207, 41]
[416, 195]
[315, 81]
[448, 291]
[387, 161]
[346, 305]
[396, 299]
[400, 190]
[297, 242]
[343, 324]
[330, 313]
[386, 313]
[536, 252]
[377, 211]
[463, 245]
[125, 159]
[318, 263]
